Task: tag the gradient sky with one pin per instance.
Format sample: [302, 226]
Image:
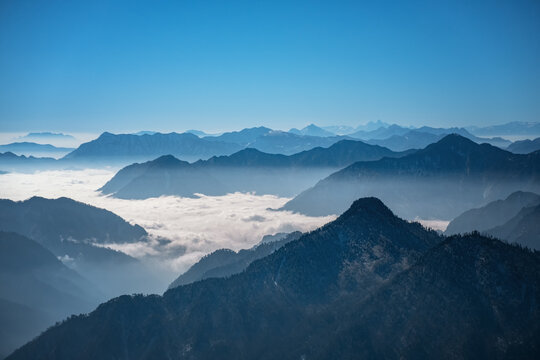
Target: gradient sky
[217, 65]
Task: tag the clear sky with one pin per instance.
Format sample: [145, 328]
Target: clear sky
[217, 65]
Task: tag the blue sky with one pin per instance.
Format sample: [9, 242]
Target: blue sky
[218, 65]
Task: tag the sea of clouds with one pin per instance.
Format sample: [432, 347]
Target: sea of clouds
[194, 226]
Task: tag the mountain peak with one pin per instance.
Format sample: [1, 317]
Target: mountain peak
[456, 139]
[370, 206]
[168, 160]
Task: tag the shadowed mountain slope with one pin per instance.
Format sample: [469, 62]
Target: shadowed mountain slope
[523, 229]
[493, 214]
[77, 233]
[470, 297]
[238, 317]
[438, 182]
[110, 146]
[366, 285]
[524, 146]
[225, 262]
[36, 290]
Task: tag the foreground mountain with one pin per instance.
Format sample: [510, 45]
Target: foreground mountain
[225, 262]
[78, 233]
[522, 229]
[525, 146]
[438, 182]
[367, 285]
[129, 147]
[470, 298]
[494, 214]
[36, 290]
[246, 171]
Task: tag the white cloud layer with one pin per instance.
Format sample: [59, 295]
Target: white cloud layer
[194, 226]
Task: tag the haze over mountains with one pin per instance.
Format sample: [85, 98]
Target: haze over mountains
[121, 149]
[33, 149]
[493, 214]
[525, 146]
[455, 172]
[78, 233]
[36, 291]
[353, 287]
[110, 146]
[247, 170]
[225, 262]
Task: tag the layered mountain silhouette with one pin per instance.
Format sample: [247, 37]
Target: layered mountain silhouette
[312, 130]
[438, 182]
[165, 175]
[46, 136]
[78, 233]
[21, 163]
[109, 147]
[423, 136]
[382, 132]
[522, 229]
[524, 146]
[511, 128]
[36, 290]
[247, 170]
[366, 285]
[280, 142]
[30, 148]
[412, 139]
[494, 214]
[244, 137]
[226, 262]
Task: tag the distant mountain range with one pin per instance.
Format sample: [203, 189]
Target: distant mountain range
[78, 233]
[45, 136]
[30, 148]
[125, 146]
[515, 219]
[367, 285]
[244, 137]
[438, 182]
[312, 130]
[380, 133]
[422, 137]
[508, 129]
[278, 142]
[121, 149]
[525, 146]
[224, 262]
[247, 170]
[12, 162]
[36, 290]
[522, 229]
[493, 214]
